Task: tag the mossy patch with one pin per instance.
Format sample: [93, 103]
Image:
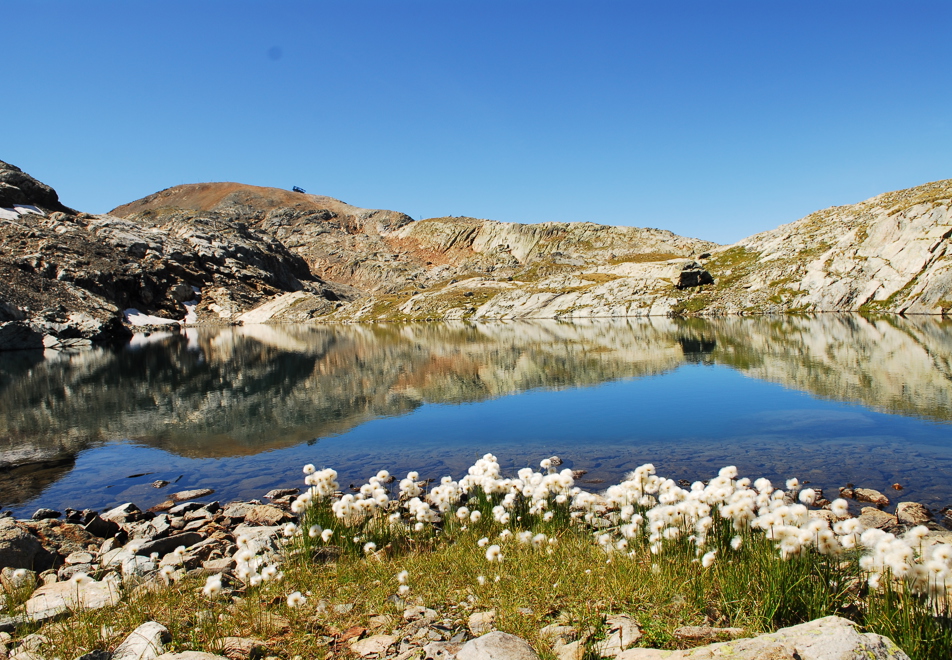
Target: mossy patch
[645, 257]
[599, 278]
[692, 305]
[732, 265]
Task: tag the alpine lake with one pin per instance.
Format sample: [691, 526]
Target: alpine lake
[831, 399]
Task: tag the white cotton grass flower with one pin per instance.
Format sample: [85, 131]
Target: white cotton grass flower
[481, 579]
[493, 553]
[314, 531]
[793, 484]
[167, 573]
[708, 559]
[917, 533]
[290, 529]
[296, 599]
[370, 547]
[80, 579]
[402, 577]
[737, 542]
[483, 542]
[549, 515]
[269, 573]
[403, 589]
[840, 507]
[729, 472]
[807, 496]
[212, 586]
[475, 516]
[326, 535]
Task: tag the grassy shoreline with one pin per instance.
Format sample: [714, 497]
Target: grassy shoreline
[538, 551]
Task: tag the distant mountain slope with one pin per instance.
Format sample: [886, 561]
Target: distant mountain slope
[386, 252]
[890, 253]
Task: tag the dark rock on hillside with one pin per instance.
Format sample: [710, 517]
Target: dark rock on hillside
[67, 277]
[18, 187]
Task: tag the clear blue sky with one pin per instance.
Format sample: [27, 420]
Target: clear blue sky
[714, 118]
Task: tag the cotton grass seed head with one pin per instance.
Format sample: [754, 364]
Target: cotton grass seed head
[493, 553]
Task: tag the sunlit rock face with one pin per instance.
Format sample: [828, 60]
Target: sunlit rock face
[889, 253]
[231, 252]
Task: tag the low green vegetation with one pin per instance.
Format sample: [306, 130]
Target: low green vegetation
[693, 304]
[731, 265]
[644, 257]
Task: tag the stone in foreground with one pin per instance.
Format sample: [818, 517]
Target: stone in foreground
[375, 645]
[146, 642]
[480, 623]
[829, 638]
[18, 549]
[67, 596]
[497, 646]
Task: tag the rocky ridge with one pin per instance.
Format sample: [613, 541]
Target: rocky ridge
[233, 253]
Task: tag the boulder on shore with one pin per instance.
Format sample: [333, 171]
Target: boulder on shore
[829, 638]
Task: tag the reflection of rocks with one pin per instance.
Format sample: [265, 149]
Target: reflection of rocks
[245, 390]
[898, 365]
[22, 483]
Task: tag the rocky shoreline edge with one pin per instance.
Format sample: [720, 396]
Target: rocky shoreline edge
[64, 562]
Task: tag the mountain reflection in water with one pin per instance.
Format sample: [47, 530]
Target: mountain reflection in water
[237, 392]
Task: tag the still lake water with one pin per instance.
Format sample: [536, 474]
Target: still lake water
[832, 399]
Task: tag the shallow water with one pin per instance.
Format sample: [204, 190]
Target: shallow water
[832, 399]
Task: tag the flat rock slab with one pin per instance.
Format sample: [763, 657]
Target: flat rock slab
[417, 612]
[169, 543]
[241, 648]
[63, 596]
[266, 515]
[480, 623]
[441, 650]
[829, 638]
[123, 513]
[871, 517]
[185, 495]
[146, 642]
[375, 645]
[571, 651]
[871, 496]
[497, 646]
[912, 513]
